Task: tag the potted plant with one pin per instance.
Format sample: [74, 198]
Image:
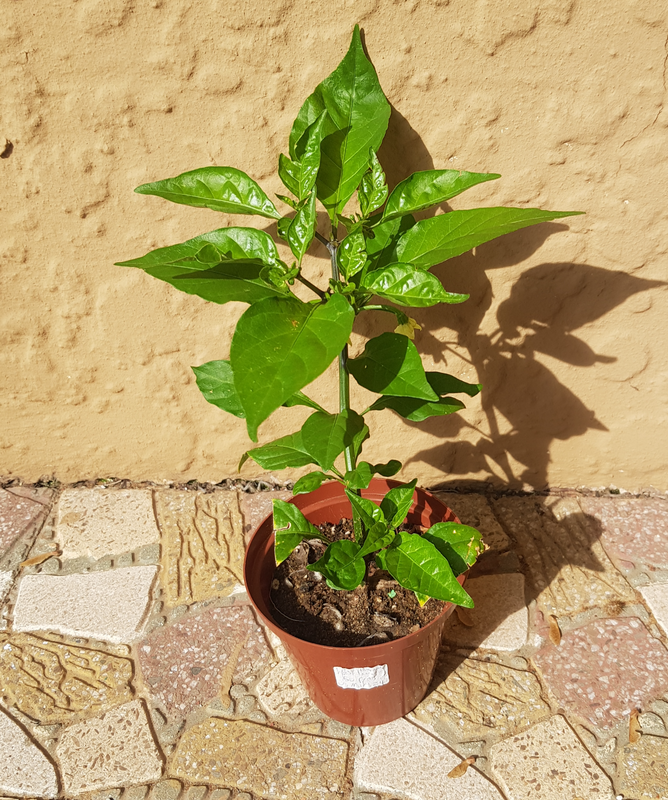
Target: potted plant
[380, 259]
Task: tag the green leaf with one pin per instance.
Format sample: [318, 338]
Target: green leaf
[397, 502]
[309, 483]
[419, 566]
[281, 345]
[308, 154]
[434, 240]
[418, 410]
[358, 114]
[382, 249]
[216, 382]
[367, 509]
[326, 436]
[242, 252]
[290, 528]
[407, 285]
[341, 566]
[223, 189]
[358, 441]
[288, 451]
[390, 364]
[302, 228]
[360, 477]
[379, 536]
[424, 189]
[444, 384]
[300, 399]
[289, 173]
[373, 189]
[352, 254]
[460, 544]
[282, 227]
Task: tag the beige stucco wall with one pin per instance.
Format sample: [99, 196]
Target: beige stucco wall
[566, 326]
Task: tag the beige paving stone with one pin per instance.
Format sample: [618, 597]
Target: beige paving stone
[500, 616]
[656, 597]
[25, 771]
[548, 762]
[474, 510]
[402, 760]
[102, 522]
[482, 700]
[281, 692]
[255, 507]
[100, 605]
[202, 544]
[6, 580]
[53, 682]
[116, 749]
[19, 518]
[293, 765]
[562, 550]
[642, 769]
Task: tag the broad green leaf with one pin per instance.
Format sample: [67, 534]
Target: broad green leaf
[300, 399]
[289, 173]
[460, 544]
[282, 227]
[379, 536]
[382, 249]
[424, 189]
[373, 189]
[418, 410]
[308, 154]
[223, 189]
[289, 201]
[288, 451]
[444, 384]
[422, 598]
[360, 477]
[367, 509]
[391, 365]
[302, 228]
[358, 114]
[352, 254]
[229, 281]
[358, 441]
[216, 382]
[407, 285]
[434, 240]
[290, 528]
[281, 345]
[397, 502]
[309, 483]
[325, 436]
[341, 566]
[419, 566]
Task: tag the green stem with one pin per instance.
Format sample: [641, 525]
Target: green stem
[311, 286]
[401, 317]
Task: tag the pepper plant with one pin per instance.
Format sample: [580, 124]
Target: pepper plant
[380, 261]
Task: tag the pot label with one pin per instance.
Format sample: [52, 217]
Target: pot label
[361, 677]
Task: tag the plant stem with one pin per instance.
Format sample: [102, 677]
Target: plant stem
[401, 317]
[322, 239]
[311, 286]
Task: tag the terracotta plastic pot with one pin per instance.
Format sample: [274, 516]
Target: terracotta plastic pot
[354, 685]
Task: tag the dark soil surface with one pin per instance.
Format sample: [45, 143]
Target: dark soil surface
[378, 611]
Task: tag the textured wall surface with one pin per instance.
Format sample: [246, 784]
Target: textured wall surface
[566, 326]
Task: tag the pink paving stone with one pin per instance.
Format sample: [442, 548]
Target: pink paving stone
[188, 664]
[634, 529]
[605, 669]
[17, 515]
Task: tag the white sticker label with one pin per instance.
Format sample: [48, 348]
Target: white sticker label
[361, 677]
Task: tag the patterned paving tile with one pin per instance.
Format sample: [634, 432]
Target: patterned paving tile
[18, 515]
[642, 769]
[281, 692]
[656, 597]
[196, 659]
[605, 669]
[474, 510]
[24, 769]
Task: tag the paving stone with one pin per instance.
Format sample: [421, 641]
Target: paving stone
[135, 793]
[166, 790]
[100, 522]
[18, 515]
[402, 760]
[656, 597]
[500, 617]
[255, 507]
[24, 769]
[281, 692]
[294, 765]
[474, 510]
[116, 749]
[6, 581]
[482, 700]
[40, 494]
[634, 529]
[561, 548]
[100, 605]
[192, 661]
[605, 669]
[202, 544]
[53, 682]
[548, 762]
[642, 769]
